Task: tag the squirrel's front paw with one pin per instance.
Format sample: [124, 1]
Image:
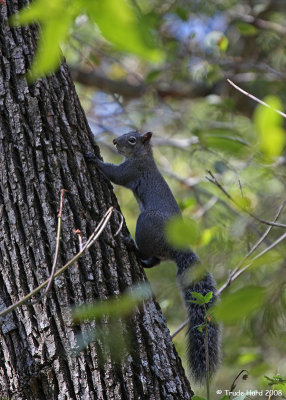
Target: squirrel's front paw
[129, 243]
[91, 157]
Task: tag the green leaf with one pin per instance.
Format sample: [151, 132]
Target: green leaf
[276, 380]
[49, 53]
[269, 126]
[115, 307]
[208, 297]
[247, 358]
[39, 10]
[235, 306]
[181, 233]
[224, 140]
[56, 18]
[189, 202]
[243, 200]
[269, 259]
[223, 43]
[201, 299]
[207, 236]
[114, 338]
[115, 18]
[216, 40]
[153, 75]
[182, 13]
[198, 398]
[119, 25]
[246, 29]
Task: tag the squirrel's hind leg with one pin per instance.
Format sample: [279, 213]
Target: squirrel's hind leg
[131, 245]
[149, 236]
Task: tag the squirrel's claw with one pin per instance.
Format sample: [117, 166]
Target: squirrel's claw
[90, 157]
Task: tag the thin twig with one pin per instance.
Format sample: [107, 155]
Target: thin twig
[255, 98]
[241, 271]
[78, 233]
[96, 233]
[263, 221]
[235, 273]
[180, 328]
[260, 240]
[212, 201]
[236, 378]
[191, 184]
[121, 222]
[58, 239]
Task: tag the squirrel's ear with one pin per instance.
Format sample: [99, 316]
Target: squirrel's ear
[146, 137]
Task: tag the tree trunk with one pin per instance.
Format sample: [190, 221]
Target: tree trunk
[43, 135]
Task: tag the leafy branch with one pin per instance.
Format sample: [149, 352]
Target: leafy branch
[240, 269]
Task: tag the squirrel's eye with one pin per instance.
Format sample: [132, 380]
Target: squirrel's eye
[132, 140]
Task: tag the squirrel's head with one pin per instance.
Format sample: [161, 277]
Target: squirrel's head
[133, 144]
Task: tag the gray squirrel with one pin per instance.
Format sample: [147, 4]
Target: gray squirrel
[157, 205]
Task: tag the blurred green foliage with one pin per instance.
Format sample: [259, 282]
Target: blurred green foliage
[111, 326]
[113, 308]
[200, 123]
[116, 20]
[269, 125]
[239, 304]
[181, 233]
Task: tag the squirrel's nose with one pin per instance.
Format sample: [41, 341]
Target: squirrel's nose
[114, 141]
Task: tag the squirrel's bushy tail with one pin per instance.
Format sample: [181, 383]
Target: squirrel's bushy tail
[196, 330]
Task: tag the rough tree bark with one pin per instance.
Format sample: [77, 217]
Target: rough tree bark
[43, 135]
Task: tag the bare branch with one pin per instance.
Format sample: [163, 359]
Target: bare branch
[178, 143]
[261, 239]
[238, 270]
[241, 271]
[192, 183]
[201, 211]
[181, 327]
[128, 90]
[255, 98]
[263, 221]
[57, 246]
[261, 23]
